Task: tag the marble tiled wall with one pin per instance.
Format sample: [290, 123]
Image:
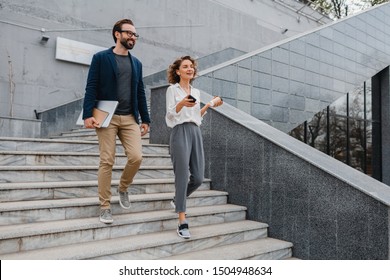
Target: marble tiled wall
[287, 83]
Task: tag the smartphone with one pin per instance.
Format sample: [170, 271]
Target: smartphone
[193, 98]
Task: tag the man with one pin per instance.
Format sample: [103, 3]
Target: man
[115, 74]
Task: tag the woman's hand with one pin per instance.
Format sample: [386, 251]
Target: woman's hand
[185, 102]
[188, 102]
[217, 101]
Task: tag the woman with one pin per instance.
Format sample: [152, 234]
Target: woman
[184, 116]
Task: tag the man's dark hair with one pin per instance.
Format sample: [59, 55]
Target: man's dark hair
[118, 26]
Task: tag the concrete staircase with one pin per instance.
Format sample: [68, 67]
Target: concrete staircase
[49, 208]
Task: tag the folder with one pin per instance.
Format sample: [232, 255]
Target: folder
[100, 116]
[103, 112]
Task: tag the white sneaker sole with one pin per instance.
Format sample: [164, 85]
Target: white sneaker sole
[120, 202]
[127, 208]
[106, 221]
[182, 236]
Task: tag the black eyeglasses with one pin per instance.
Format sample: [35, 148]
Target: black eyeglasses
[130, 33]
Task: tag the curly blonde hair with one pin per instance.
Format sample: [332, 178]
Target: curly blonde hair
[173, 78]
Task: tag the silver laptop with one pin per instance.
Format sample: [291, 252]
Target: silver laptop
[104, 105]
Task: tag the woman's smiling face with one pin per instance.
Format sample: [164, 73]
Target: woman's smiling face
[186, 70]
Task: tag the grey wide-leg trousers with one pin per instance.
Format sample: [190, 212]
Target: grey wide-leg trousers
[187, 155]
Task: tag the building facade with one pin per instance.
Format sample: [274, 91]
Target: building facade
[34, 77]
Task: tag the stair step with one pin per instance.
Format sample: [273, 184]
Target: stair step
[60, 145]
[20, 212]
[93, 138]
[27, 158]
[84, 133]
[89, 136]
[150, 245]
[72, 189]
[260, 249]
[49, 208]
[46, 173]
[23, 237]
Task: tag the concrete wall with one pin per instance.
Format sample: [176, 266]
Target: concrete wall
[20, 128]
[327, 209]
[32, 79]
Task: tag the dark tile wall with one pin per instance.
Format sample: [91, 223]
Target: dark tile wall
[60, 119]
[327, 209]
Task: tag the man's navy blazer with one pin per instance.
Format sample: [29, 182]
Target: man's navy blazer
[102, 84]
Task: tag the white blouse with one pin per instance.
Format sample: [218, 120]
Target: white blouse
[174, 95]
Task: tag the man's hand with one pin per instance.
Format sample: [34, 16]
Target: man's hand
[90, 123]
[144, 129]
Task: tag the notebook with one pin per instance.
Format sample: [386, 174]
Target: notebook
[103, 112]
[100, 116]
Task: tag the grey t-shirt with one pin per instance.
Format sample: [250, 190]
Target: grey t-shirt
[124, 85]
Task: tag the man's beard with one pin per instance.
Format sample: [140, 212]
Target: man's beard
[126, 45]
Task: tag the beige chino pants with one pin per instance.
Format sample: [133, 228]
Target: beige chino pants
[129, 134]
